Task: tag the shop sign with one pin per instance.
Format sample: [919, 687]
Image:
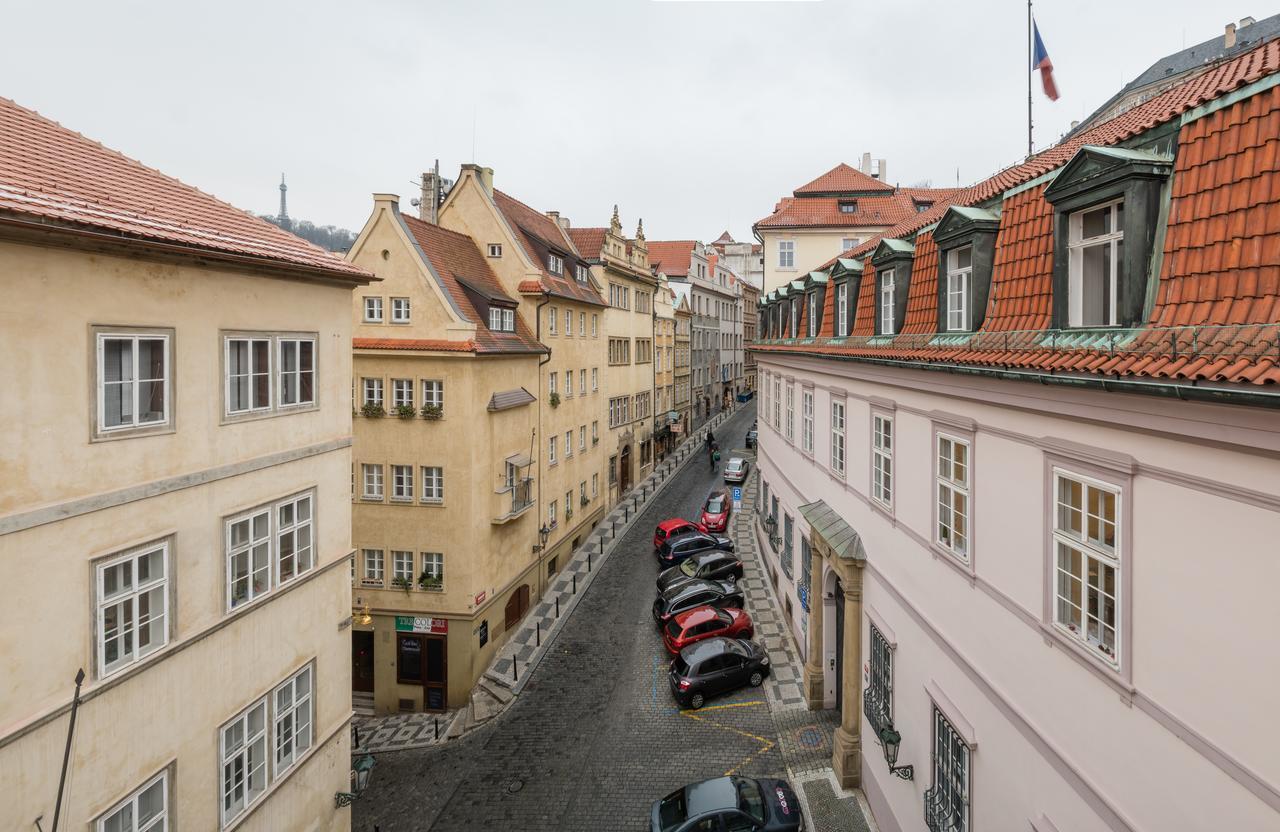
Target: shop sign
[480, 599]
[420, 624]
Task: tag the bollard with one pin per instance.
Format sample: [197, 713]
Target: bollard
[515, 670]
[538, 625]
[437, 729]
[557, 606]
[615, 528]
[355, 729]
[588, 560]
[575, 583]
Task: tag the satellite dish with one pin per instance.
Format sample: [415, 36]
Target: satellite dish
[415, 202]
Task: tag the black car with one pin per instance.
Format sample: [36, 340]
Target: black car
[732, 803]
[675, 549]
[752, 436]
[714, 666]
[696, 593]
[714, 565]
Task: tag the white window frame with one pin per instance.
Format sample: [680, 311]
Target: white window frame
[959, 281]
[372, 567]
[551, 451]
[433, 483]
[849, 243]
[248, 549]
[553, 383]
[812, 327]
[400, 311]
[888, 298]
[949, 748]
[371, 476]
[791, 411]
[242, 756]
[582, 438]
[1091, 551]
[882, 474]
[568, 323]
[553, 314]
[595, 379]
[806, 421]
[839, 426]
[595, 486]
[254, 372]
[433, 566]
[135, 383]
[842, 309]
[595, 325]
[568, 444]
[402, 392]
[402, 483]
[299, 531]
[582, 324]
[1077, 244]
[402, 564]
[296, 375]
[158, 822]
[433, 393]
[555, 263]
[131, 598]
[371, 391]
[786, 254]
[372, 309]
[953, 486]
[495, 249]
[553, 519]
[293, 720]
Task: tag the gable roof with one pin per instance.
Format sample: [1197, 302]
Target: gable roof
[54, 176]
[843, 179]
[1216, 312]
[458, 264]
[877, 211]
[589, 241]
[671, 257]
[538, 234]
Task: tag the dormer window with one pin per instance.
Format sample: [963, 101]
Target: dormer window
[555, 264]
[502, 319]
[848, 206]
[888, 302]
[581, 273]
[1096, 263]
[959, 279]
[795, 320]
[1106, 203]
[842, 309]
[813, 313]
[922, 205]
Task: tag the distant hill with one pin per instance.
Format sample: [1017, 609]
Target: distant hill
[326, 236]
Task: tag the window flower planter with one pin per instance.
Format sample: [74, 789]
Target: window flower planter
[402, 583]
[373, 410]
[432, 412]
[554, 399]
[406, 411]
[430, 583]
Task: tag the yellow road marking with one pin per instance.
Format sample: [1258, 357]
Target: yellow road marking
[722, 707]
[765, 744]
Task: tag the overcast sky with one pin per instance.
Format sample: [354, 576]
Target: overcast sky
[696, 116]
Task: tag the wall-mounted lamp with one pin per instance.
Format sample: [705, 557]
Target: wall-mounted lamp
[365, 618]
[360, 771]
[891, 740]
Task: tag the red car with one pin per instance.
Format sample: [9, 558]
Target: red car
[705, 622]
[715, 514]
[672, 527]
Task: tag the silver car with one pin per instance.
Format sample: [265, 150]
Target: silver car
[736, 470]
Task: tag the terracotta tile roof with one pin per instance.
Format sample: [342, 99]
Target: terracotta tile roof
[671, 257]
[871, 211]
[843, 179]
[455, 256]
[539, 234]
[54, 175]
[864, 321]
[589, 241]
[1220, 276]
[723, 240]
[530, 287]
[423, 344]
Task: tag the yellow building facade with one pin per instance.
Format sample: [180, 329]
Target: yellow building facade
[176, 474]
[621, 268]
[534, 260]
[664, 356]
[443, 517]
[682, 372]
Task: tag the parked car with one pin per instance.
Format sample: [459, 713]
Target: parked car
[715, 666]
[675, 549]
[729, 803]
[713, 565]
[736, 470]
[702, 623]
[685, 597]
[673, 527]
[752, 436]
[716, 511]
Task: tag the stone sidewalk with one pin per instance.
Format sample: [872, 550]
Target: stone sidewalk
[519, 657]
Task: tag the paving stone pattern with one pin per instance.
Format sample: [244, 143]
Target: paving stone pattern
[593, 736]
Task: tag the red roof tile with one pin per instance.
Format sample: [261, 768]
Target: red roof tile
[864, 321]
[843, 179]
[424, 344]
[589, 241]
[671, 257]
[455, 256]
[1022, 275]
[871, 211]
[922, 291]
[56, 175]
[538, 233]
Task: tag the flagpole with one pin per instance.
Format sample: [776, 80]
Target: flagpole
[1029, 60]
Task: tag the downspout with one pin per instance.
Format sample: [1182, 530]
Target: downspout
[653, 377]
[537, 333]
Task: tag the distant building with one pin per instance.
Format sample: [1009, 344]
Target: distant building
[664, 348]
[746, 259]
[683, 379]
[834, 213]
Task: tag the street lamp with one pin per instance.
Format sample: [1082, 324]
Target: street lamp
[360, 771]
[891, 740]
[543, 534]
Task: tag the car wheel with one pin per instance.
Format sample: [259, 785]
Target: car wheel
[756, 679]
[748, 634]
[695, 701]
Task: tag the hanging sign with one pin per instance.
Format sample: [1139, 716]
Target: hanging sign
[420, 624]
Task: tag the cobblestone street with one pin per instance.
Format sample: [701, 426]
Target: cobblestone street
[595, 736]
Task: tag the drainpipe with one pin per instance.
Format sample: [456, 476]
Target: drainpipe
[653, 377]
[537, 333]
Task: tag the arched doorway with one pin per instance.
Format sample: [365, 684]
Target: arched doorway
[833, 639]
[624, 470]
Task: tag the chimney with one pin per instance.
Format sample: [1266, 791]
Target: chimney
[429, 204]
[881, 172]
[1229, 39]
[484, 176]
[865, 167]
[391, 201]
[1246, 21]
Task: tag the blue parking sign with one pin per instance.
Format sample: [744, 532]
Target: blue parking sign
[737, 494]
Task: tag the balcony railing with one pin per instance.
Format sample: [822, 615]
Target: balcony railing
[513, 500]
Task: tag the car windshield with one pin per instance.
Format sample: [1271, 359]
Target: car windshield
[689, 568]
[750, 800]
[673, 629]
[735, 465]
[715, 505]
[680, 666]
[724, 617]
[672, 810]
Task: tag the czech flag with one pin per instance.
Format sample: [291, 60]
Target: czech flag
[1040, 60]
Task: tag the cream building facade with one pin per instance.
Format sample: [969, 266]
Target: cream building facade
[534, 260]
[444, 521]
[664, 350]
[621, 268]
[682, 374]
[184, 490]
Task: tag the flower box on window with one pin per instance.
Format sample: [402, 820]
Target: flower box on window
[373, 410]
[401, 583]
[432, 411]
[406, 411]
[554, 399]
[431, 583]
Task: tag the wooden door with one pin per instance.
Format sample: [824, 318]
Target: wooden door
[624, 470]
[362, 661]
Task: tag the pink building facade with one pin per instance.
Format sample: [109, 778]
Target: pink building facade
[1020, 482]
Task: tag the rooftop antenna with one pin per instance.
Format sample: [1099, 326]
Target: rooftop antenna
[284, 206]
[473, 134]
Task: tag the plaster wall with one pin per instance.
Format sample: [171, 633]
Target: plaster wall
[813, 247]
